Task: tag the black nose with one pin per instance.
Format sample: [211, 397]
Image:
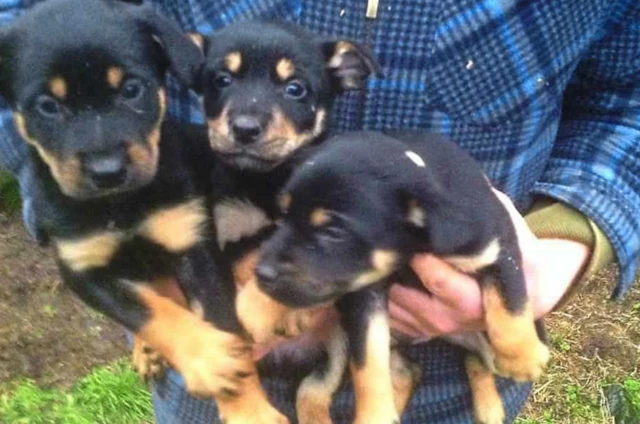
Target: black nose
[266, 274]
[106, 170]
[246, 128]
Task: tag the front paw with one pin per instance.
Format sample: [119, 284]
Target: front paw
[524, 363]
[259, 314]
[216, 365]
[294, 323]
[148, 363]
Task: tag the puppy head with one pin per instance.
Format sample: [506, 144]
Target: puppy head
[268, 89]
[84, 78]
[348, 223]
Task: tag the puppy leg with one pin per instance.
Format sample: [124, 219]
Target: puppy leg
[365, 320]
[314, 396]
[259, 314]
[487, 404]
[148, 363]
[405, 376]
[519, 352]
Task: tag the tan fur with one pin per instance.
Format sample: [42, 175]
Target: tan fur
[252, 407]
[259, 314]
[340, 49]
[233, 62]
[219, 132]
[176, 228]
[115, 74]
[208, 359]
[58, 87]
[372, 380]
[67, 173]
[284, 201]
[236, 219]
[405, 376]
[285, 69]
[243, 269]
[314, 395]
[519, 353]
[281, 137]
[471, 263]
[197, 39]
[89, 252]
[319, 217]
[487, 404]
[382, 262]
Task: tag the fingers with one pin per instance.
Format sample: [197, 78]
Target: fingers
[447, 284]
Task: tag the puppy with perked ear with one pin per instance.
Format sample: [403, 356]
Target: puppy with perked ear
[122, 194]
[354, 215]
[267, 90]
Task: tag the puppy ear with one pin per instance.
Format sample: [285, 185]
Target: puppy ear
[184, 55]
[348, 64]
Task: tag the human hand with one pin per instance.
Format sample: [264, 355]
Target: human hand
[454, 304]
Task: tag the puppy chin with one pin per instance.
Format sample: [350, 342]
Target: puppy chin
[249, 162]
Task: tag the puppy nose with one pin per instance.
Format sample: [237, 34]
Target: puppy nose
[246, 128]
[106, 170]
[266, 273]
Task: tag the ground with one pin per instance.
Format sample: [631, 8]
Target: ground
[46, 334]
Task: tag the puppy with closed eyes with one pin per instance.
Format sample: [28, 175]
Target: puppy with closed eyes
[355, 214]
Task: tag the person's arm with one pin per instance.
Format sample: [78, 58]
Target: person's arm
[594, 169]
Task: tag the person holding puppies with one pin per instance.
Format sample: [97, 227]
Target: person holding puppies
[543, 94]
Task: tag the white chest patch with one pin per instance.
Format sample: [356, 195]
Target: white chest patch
[415, 158]
[236, 219]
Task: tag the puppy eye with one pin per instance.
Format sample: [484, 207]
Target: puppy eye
[295, 90]
[132, 89]
[222, 80]
[47, 106]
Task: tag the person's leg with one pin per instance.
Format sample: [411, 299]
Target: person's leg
[443, 396]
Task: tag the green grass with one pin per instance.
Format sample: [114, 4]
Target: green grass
[9, 193]
[108, 395]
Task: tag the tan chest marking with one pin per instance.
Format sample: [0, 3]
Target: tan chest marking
[473, 263]
[94, 251]
[176, 228]
[236, 219]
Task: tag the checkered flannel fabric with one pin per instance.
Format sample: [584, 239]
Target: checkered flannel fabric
[443, 398]
[544, 93]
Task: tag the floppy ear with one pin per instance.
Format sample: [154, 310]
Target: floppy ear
[184, 56]
[348, 64]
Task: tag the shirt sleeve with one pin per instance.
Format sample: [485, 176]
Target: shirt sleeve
[13, 151]
[595, 164]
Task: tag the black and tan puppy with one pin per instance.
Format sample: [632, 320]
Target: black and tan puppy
[118, 192]
[268, 89]
[355, 214]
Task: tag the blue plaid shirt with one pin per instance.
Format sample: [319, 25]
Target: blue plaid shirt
[545, 94]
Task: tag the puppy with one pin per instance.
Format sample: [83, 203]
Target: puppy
[354, 216]
[119, 194]
[268, 89]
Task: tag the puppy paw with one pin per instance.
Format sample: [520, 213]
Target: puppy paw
[259, 314]
[216, 365]
[525, 362]
[490, 414]
[148, 363]
[252, 407]
[294, 323]
[405, 376]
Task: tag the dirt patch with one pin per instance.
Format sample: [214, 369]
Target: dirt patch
[46, 333]
[595, 342]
